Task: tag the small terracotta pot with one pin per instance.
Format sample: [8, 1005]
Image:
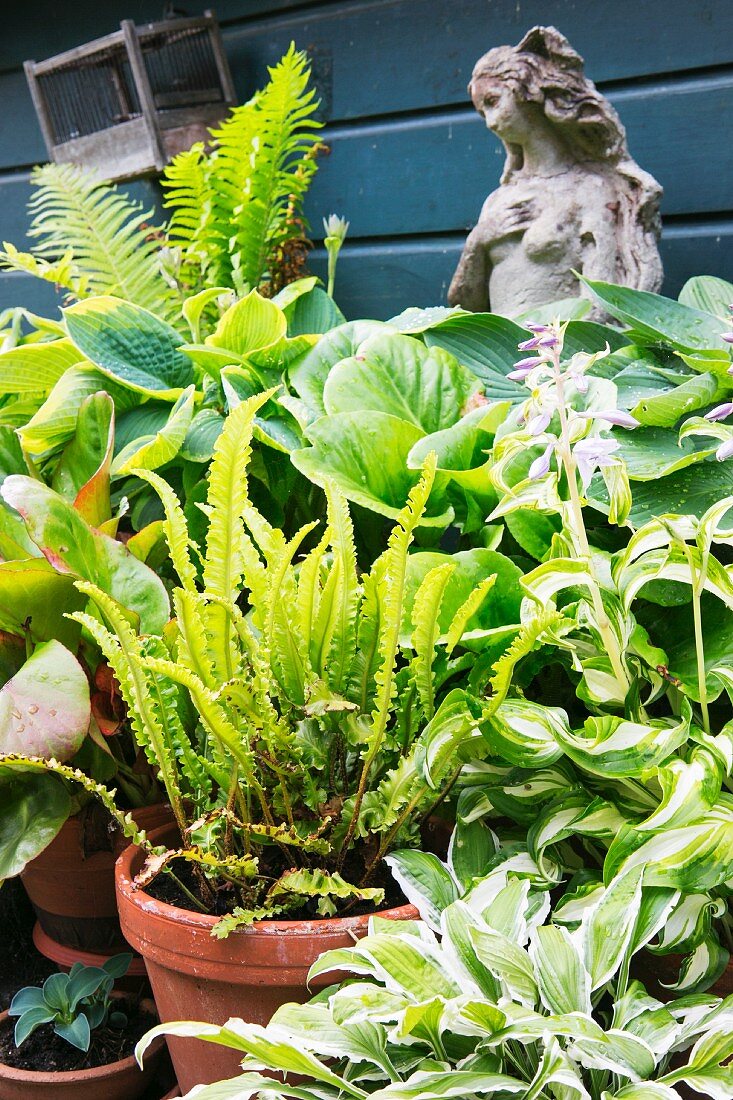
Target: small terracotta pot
[71, 883]
[249, 974]
[135, 981]
[121, 1080]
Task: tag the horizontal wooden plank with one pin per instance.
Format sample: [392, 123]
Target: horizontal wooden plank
[432, 173]
[383, 56]
[381, 279]
[18, 289]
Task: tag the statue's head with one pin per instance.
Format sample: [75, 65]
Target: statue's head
[515, 87]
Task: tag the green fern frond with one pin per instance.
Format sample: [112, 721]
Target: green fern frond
[188, 194]
[529, 636]
[346, 596]
[469, 607]
[62, 272]
[175, 528]
[426, 631]
[105, 234]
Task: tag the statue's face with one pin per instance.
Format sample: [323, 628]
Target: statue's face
[496, 99]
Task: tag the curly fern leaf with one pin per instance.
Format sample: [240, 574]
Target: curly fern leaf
[175, 528]
[468, 608]
[426, 630]
[102, 232]
[188, 192]
[528, 637]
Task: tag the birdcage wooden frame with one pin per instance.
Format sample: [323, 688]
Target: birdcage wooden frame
[118, 106]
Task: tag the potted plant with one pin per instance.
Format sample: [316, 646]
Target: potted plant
[74, 1037]
[297, 744]
[486, 996]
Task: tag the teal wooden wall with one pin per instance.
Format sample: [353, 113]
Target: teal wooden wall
[410, 161]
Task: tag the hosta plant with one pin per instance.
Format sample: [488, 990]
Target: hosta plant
[303, 718]
[486, 996]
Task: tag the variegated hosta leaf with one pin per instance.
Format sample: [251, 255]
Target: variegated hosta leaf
[575, 813]
[689, 789]
[563, 982]
[528, 734]
[507, 962]
[426, 883]
[702, 968]
[708, 1069]
[608, 927]
[610, 746]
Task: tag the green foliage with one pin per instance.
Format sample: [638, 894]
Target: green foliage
[237, 210]
[75, 1003]
[486, 998]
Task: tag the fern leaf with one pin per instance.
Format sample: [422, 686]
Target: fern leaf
[175, 528]
[288, 651]
[106, 234]
[426, 630]
[347, 596]
[62, 272]
[468, 608]
[187, 188]
[528, 637]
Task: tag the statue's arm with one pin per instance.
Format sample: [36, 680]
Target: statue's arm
[470, 284]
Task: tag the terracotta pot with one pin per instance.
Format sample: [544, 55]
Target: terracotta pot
[71, 883]
[117, 1081]
[135, 980]
[249, 974]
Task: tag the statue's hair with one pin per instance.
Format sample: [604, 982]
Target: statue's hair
[545, 69]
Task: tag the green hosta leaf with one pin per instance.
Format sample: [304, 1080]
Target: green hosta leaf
[34, 597]
[414, 320]
[463, 450]
[457, 1083]
[426, 883]
[709, 294]
[343, 451]
[472, 845]
[35, 806]
[562, 979]
[151, 451]
[653, 453]
[205, 428]
[500, 606]
[689, 789]
[313, 312]
[708, 1069]
[82, 474]
[45, 708]
[398, 375]
[659, 319]
[71, 546]
[487, 345]
[528, 734]
[308, 375]
[55, 422]
[509, 963]
[251, 323]
[690, 492]
[36, 368]
[562, 309]
[665, 409]
[130, 345]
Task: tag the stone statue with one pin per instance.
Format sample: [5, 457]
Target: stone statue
[571, 198]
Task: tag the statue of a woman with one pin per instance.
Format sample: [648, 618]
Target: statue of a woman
[571, 198]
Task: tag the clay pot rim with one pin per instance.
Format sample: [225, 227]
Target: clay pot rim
[69, 1076]
[163, 911]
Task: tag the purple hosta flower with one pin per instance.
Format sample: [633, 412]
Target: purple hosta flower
[539, 423]
[728, 337]
[529, 345]
[541, 465]
[725, 450]
[524, 368]
[720, 412]
[618, 417]
[594, 453]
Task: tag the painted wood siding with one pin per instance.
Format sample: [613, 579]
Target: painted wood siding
[410, 161]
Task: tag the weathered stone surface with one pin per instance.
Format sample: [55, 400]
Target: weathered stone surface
[571, 197]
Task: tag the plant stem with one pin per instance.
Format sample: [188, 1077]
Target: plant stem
[698, 582]
[577, 529]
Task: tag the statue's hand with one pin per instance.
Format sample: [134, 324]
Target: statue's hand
[510, 219]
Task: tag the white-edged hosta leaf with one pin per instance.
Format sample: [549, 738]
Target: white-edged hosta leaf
[612, 746]
[556, 1069]
[509, 963]
[689, 789]
[619, 1052]
[607, 928]
[425, 881]
[457, 924]
[151, 451]
[702, 968]
[708, 1069]
[528, 734]
[562, 979]
[454, 1083]
[449, 738]
[648, 1090]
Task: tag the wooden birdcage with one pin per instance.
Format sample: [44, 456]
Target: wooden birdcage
[124, 104]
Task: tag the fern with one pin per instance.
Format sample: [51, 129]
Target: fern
[235, 210]
[95, 238]
[426, 630]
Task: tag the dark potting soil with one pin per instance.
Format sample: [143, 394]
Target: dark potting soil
[20, 963]
[165, 888]
[46, 1052]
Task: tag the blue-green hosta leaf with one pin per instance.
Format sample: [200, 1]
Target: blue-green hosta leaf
[36, 368]
[35, 806]
[608, 927]
[426, 883]
[366, 458]
[658, 319]
[653, 453]
[313, 312]
[562, 979]
[45, 707]
[709, 294]
[130, 345]
[308, 375]
[148, 452]
[203, 432]
[72, 546]
[251, 323]
[665, 409]
[396, 374]
[528, 734]
[487, 345]
[611, 746]
[694, 858]
[692, 491]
